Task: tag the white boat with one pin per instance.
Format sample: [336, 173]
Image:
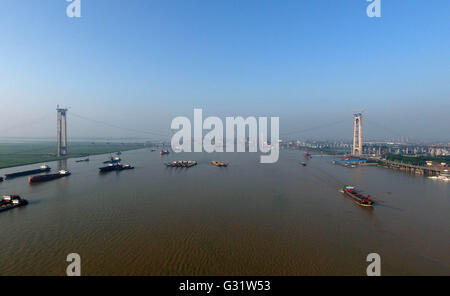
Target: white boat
[444, 176]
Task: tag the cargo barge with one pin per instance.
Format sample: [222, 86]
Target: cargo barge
[49, 177]
[219, 164]
[181, 164]
[83, 160]
[10, 202]
[360, 199]
[42, 169]
[115, 167]
[109, 168]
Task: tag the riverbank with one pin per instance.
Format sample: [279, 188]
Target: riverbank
[432, 170]
[318, 151]
[18, 154]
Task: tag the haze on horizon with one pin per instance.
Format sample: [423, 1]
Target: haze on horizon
[138, 64]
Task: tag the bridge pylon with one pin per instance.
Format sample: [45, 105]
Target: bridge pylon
[357, 134]
[61, 127]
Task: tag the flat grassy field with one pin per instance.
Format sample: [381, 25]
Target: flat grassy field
[15, 154]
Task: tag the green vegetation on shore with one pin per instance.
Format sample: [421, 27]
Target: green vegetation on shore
[16, 154]
[328, 151]
[416, 160]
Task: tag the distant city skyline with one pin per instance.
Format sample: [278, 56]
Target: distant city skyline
[138, 64]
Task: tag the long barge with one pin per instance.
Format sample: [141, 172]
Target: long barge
[359, 198]
[10, 202]
[82, 160]
[181, 164]
[49, 177]
[219, 163]
[115, 167]
[42, 169]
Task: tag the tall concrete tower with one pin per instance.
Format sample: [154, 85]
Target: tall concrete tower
[61, 127]
[357, 135]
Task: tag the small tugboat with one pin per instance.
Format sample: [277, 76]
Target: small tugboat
[164, 152]
[11, 201]
[219, 163]
[42, 169]
[49, 177]
[181, 164]
[359, 198]
[127, 167]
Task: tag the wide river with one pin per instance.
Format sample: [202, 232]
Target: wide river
[247, 219]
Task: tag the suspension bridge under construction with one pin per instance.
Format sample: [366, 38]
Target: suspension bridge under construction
[33, 152]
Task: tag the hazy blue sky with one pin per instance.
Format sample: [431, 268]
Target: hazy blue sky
[139, 63]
